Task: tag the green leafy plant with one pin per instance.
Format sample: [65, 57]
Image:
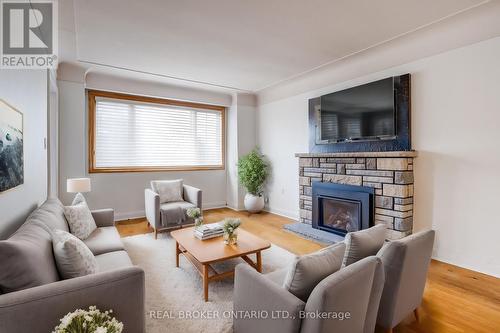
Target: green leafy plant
[252, 172]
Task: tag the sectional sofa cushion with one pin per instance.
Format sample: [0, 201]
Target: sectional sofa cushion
[168, 190]
[26, 258]
[73, 257]
[80, 220]
[113, 260]
[308, 270]
[51, 213]
[104, 239]
[364, 243]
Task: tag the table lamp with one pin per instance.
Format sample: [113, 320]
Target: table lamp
[78, 185]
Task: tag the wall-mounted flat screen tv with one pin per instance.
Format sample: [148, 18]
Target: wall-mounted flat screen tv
[365, 112]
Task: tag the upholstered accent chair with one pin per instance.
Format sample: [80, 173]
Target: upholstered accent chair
[355, 289]
[167, 202]
[406, 262]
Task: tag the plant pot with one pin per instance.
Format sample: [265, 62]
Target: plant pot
[254, 203]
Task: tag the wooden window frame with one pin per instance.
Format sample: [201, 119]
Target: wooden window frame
[91, 100]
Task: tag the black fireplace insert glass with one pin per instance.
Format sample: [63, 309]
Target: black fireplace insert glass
[340, 208]
[344, 215]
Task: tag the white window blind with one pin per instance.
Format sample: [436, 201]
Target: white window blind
[131, 134]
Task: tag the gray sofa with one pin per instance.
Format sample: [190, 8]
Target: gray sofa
[33, 298]
[164, 216]
[355, 289]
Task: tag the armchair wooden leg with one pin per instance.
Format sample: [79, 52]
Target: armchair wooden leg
[156, 233]
[417, 315]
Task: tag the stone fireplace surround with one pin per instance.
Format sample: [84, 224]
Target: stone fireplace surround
[389, 173]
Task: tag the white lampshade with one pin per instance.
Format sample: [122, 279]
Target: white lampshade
[78, 185]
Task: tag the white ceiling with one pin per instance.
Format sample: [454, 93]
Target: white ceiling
[246, 45]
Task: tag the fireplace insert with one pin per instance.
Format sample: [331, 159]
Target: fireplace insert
[340, 209]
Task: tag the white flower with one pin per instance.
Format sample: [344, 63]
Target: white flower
[85, 319]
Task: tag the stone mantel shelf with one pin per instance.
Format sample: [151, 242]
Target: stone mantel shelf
[411, 153]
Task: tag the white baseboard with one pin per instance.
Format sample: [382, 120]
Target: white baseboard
[285, 213]
[236, 209]
[214, 205]
[129, 215]
[475, 269]
[121, 216]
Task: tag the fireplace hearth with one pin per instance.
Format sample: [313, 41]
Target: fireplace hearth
[340, 209]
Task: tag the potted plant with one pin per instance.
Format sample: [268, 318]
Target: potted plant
[252, 173]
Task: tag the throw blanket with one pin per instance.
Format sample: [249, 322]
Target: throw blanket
[172, 216]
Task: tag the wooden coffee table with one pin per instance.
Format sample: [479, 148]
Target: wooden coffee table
[203, 253]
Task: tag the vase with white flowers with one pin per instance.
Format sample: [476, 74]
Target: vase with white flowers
[195, 214]
[230, 234]
[89, 321]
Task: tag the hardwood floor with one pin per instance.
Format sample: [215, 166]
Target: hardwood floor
[456, 300]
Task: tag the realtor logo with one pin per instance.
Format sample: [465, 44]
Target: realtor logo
[29, 34]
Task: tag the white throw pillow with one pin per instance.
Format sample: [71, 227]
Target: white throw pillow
[80, 220]
[308, 270]
[79, 198]
[73, 257]
[168, 190]
[364, 243]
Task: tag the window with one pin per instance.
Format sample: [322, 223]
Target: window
[130, 133]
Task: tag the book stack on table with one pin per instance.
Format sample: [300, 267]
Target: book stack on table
[207, 231]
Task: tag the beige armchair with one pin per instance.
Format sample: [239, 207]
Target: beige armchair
[168, 215]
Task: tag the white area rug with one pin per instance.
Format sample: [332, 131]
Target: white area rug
[173, 293]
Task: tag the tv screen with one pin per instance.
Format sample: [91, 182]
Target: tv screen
[364, 112]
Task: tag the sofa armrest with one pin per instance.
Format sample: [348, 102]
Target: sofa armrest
[192, 195]
[104, 217]
[39, 309]
[255, 292]
[152, 207]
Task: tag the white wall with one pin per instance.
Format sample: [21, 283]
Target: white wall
[232, 154]
[241, 140]
[282, 132]
[122, 191]
[26, 90]
[455, 124]
[246, 142]
[53, 137]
